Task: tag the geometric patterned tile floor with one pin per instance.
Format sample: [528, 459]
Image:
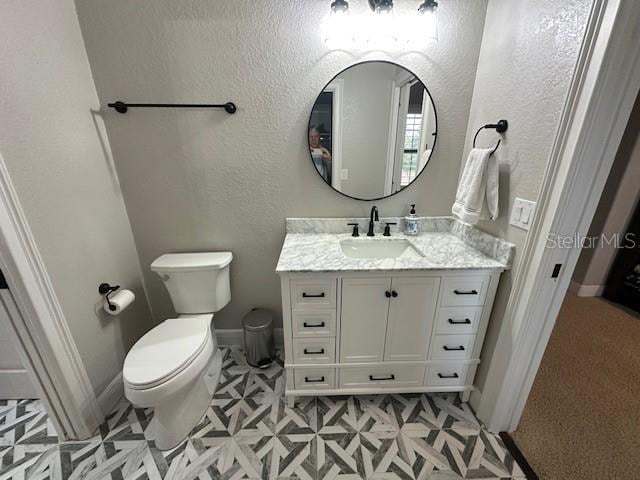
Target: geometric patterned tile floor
[249, 433]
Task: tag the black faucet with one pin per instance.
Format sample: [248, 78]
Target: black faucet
[372, 218]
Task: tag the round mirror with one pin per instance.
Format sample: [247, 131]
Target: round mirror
[372, 130]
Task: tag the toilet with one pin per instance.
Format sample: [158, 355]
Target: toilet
[175, 367]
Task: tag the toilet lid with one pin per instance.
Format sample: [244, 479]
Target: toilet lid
[166, 350]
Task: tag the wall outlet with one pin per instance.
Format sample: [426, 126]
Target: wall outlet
[522, 213]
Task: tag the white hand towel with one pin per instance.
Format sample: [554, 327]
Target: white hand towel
[478, 188]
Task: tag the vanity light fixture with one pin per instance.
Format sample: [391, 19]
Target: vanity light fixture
[429, 12]
[381, 29]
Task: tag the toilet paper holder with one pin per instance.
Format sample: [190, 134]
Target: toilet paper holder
[106, 290]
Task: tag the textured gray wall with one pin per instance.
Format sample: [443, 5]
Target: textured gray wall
[204, 180]
[529, 51]
[59, 160]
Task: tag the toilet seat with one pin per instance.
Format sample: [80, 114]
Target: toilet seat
[166, 350]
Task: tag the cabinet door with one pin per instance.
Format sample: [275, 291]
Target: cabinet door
[411, 318]
[363, 323]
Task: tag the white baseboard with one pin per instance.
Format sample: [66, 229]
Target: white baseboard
[586, 290]
[111, 395]
[234, 336]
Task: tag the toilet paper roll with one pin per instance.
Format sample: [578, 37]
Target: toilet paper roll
[121, 300]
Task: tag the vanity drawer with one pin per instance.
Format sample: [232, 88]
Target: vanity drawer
[382, 376]
[446, 375]
[313, 323]
[464, 291]
[314, 350]
[452, 347]
[458, 319]
[313, 292]
[314, 378]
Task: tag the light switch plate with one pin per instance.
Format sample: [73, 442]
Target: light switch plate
[522, 213]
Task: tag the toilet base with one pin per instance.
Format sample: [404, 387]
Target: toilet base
[175, 417]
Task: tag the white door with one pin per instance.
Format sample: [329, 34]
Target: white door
[14, 379]
[411, 318]
[363, 324]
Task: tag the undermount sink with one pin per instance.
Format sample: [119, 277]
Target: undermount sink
[382, 248]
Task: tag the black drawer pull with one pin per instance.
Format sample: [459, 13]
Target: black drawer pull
[313, 325]
[378, 379]
[453, 349]
[313, 380]
[455, 375]
[394, 294]
[387, 294]
[466, 321]
[470, 292]
[313, 352]
[312, 295]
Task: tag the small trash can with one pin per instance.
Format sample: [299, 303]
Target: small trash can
[258, 337]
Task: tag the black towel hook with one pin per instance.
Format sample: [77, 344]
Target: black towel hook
[499, 127]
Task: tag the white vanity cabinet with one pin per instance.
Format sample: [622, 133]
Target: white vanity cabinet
[387, 331]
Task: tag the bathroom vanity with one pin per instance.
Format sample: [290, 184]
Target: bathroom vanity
[386, 314]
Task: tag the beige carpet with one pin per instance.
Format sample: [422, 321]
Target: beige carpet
[582, 419]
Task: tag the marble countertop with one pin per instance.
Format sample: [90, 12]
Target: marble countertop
[321, 252]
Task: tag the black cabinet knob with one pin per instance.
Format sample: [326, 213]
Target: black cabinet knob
[394, 294]
[387, 294]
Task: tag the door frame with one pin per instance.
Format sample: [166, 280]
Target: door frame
[605, 84]
[336, 87]
[36, 318]
[392, 138]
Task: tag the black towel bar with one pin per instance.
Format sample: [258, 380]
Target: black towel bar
[122, 107]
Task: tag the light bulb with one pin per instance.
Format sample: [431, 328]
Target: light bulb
[384, 7]
[382, 29]
[336, 30]
[429, 19]
[339, 7]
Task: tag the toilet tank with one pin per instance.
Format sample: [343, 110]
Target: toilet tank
[197, 282]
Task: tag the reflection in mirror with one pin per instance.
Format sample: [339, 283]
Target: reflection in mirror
[372, 130]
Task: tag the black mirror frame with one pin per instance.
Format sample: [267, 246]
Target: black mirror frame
[435, 140]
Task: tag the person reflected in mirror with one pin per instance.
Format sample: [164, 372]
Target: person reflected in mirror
[320, 155]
